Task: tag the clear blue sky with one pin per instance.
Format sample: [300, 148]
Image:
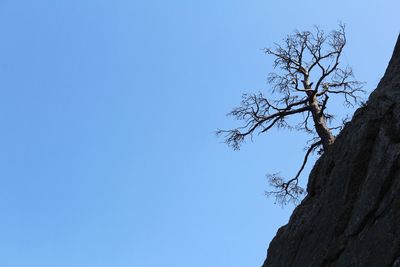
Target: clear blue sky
[107, 113]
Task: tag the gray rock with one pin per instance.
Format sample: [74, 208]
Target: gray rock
[351, 215]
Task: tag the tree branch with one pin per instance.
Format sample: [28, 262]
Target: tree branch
[290, 191]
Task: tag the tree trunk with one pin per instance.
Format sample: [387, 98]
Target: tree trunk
[319, 119]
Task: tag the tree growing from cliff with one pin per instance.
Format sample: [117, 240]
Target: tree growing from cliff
[307, 72]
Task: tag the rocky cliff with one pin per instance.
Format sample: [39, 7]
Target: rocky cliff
[351, 215]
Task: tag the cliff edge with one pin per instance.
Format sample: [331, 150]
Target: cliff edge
[351, 215]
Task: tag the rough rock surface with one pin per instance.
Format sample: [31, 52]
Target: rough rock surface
[351, 215]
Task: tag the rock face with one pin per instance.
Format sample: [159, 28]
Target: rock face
[351, 215]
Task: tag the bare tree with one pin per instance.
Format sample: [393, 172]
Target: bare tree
[308, 72]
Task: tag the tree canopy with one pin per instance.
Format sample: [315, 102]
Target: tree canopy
[308, 71]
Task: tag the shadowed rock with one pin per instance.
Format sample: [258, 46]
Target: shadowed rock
[351, 215]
